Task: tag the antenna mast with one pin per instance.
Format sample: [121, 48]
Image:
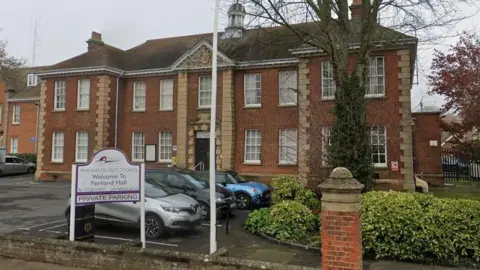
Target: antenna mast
[34, 47]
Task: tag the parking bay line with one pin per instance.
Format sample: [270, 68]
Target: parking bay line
[44, 229]
[53, 222]
[126, 239]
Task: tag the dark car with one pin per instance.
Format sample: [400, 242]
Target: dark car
[249, 194]
[189, 183]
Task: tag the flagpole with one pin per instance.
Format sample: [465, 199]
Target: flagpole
[213, 116]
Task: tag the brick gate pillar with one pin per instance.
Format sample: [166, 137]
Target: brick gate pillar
[341, 230]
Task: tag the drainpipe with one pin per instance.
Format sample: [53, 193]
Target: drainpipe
[116, 109]
[37, 103]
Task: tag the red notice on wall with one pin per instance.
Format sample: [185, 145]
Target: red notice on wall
[394, 166]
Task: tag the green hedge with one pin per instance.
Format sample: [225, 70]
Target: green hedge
[396, 225]
[30, 157]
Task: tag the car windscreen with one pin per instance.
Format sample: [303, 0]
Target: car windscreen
[157, 191]
[239, 178]
[197, 181]
[232, 179]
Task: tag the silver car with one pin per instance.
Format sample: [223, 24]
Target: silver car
[165, 210]
[15, 165]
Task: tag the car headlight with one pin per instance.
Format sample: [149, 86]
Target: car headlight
[172, 209]
[255, 191]
[220, 199]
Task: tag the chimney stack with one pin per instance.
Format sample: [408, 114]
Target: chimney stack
[95, 41]
[356, 9]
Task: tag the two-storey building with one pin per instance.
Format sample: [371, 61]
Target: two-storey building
[153, 102]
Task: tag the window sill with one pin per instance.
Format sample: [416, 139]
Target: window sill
[80, 161]
[15, 124]
[204, 108]
[56, 162]
[138, 161]
[165, 110]
[380, 166]
[83, 110]
[252, 163]
[287, 105]
[253, 107]
[328, 98]
[164, 161]
[375, 96]
[138, 111]
[287, 164]
[58, 110]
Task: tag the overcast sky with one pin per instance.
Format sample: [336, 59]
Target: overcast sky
[65, 25]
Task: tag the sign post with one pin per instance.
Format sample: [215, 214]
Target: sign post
[108, 177]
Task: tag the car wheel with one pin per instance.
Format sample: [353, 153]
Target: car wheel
[243, 201]
[154, 227]
[205, 210]
[30, 170]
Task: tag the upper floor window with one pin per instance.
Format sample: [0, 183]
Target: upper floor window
[204, 92]
[328, 83]
[16, 114]
[139, 96]
[287, 87]
[166, 95]
[60, 95]
[253, 90]
[83, 94]
[376, 78]
[32, 80]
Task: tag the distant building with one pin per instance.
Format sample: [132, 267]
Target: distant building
[271, 89]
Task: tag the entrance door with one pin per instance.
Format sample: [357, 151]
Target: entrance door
[202, 145]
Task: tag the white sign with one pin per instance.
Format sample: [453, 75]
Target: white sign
[108, 177]
[433, 143]
[110, 174]
[394, 166]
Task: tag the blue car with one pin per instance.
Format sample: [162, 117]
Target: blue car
[247, 193]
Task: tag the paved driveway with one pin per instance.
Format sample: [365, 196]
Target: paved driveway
[24, 203]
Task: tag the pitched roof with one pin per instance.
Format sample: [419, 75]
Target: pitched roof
[22, 91]
[255, 45]
[27, 93]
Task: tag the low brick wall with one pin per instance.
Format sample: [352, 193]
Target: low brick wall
[120, 257]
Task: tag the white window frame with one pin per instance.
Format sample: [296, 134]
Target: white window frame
[79, 149]
[83, 90]
[287, 88]
[141, 145]
[14, 145]
[204, 88]
[285, 146]
[374, 130]
[32, 80]
[373, 76]
[16, 114]
[258, 134]
[60, 105]
[328, 81]
[256, 90]
[326, 132]
[1, 113]
[55, 140]
[166, 90]
[165, 146]
[137, 102]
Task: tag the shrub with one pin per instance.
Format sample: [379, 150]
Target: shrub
[290, 221]
[308, 198]
[257, 220]
[418, 227]
[284, 188]
[30, 157]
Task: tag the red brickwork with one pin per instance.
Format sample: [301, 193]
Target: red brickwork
[342, 238]
[24, 130]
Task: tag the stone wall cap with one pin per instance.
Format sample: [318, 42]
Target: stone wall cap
[341, 181]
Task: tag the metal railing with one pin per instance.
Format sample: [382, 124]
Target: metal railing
[200, 165]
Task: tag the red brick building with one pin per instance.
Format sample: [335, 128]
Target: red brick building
[19, 111]
[271, 95]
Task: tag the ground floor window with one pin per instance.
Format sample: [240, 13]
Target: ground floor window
[165, 148]
[57, 146]
[378, 141]
[138, 146]
[253, 144]
[14, 145]
[288, 146]
[81, 148]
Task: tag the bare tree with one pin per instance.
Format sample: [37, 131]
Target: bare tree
[326, 26]
[11, 74]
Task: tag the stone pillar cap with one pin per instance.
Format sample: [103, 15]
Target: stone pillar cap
[341, 181]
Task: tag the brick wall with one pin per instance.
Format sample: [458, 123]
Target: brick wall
[25, 130]
[270, 118]
[428, 164]
[100, 256]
